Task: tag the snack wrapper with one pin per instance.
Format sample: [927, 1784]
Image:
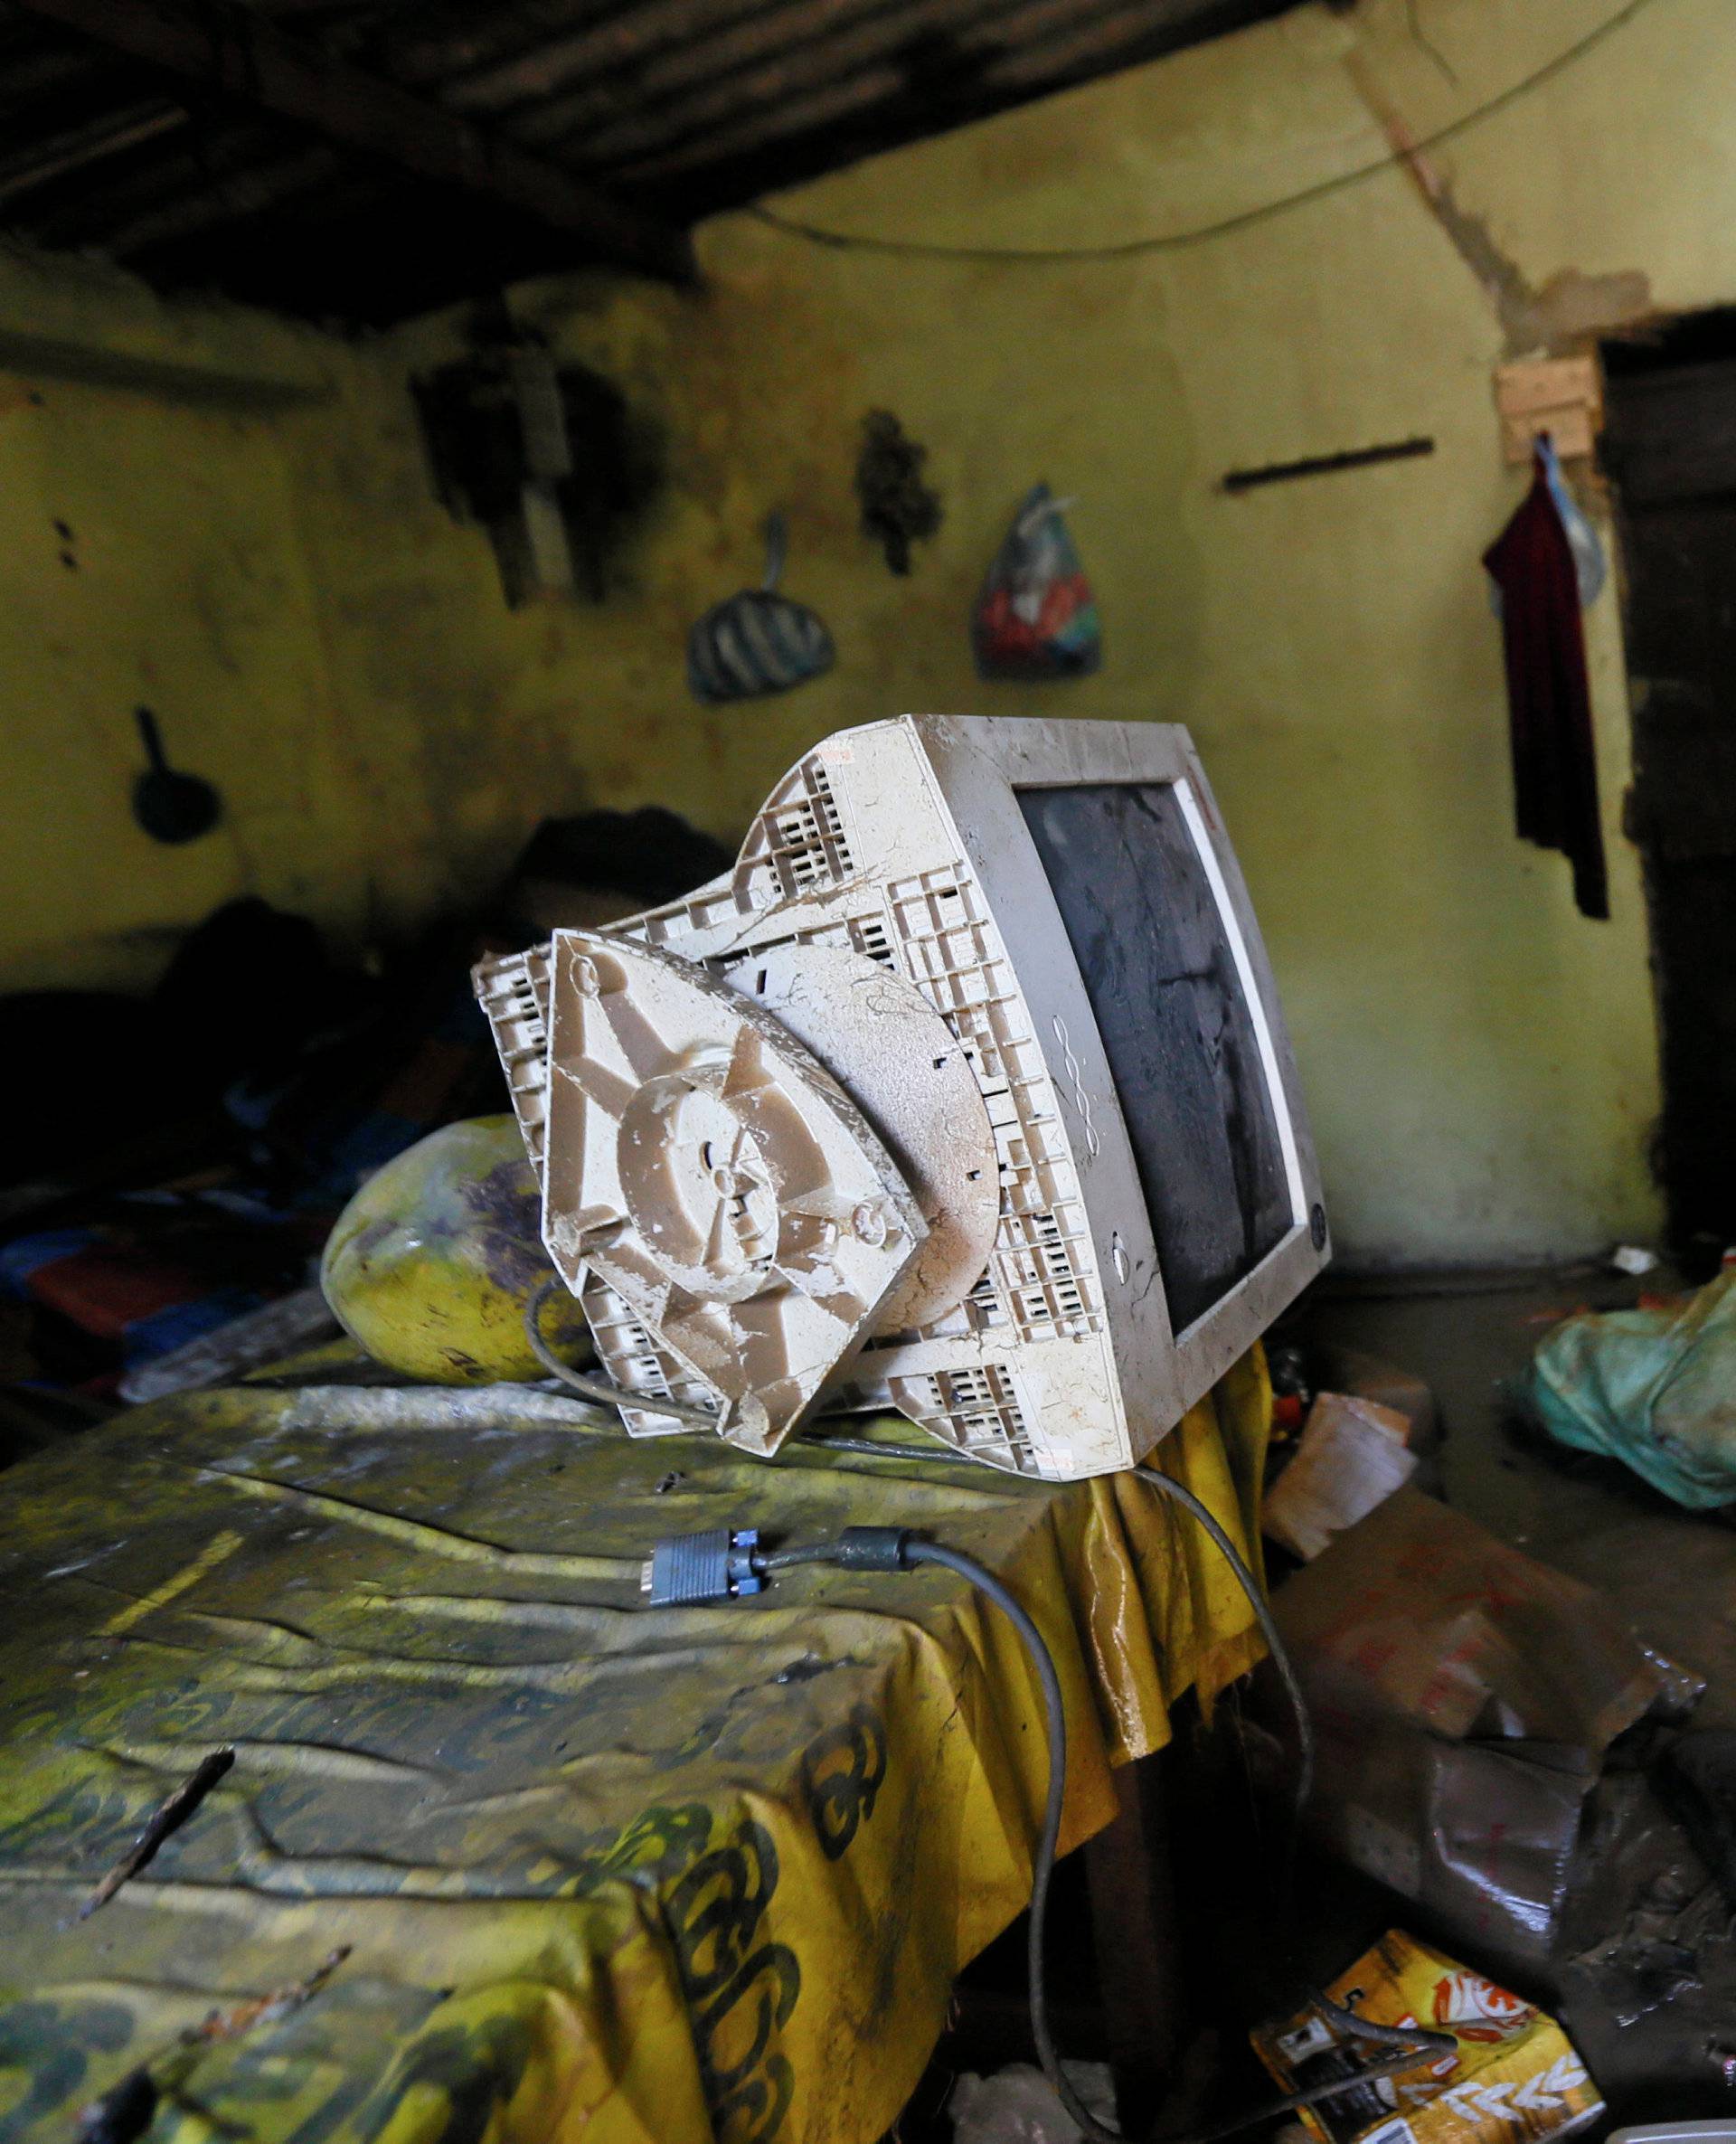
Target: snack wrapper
[1515, 2080]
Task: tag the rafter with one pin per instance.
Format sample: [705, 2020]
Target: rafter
[239, 51]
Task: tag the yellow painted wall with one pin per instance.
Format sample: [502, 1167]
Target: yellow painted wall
[146, 523]
[1480, 1061]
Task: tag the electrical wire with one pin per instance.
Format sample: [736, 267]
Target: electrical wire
[1242, 219]
[787, 1559]
[817, 1440]
[1168, 1487]
[1042, 1861]
[599, 1388]
[1042, 1864]
[1408, 2047]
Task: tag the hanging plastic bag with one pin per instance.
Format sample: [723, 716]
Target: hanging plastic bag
[1036, 617]
[758, 641]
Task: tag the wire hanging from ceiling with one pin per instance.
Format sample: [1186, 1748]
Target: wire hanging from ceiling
[1166, 241]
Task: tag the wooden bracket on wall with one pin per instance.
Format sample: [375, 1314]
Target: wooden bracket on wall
[1563, 396]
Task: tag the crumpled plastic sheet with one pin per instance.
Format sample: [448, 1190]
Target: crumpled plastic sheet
[1654, 1388]
[1463, 1697]
[605, 1870]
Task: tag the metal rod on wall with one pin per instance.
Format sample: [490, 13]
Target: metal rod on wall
[1322, 465]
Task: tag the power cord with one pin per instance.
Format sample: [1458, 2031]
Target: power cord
[599, 1388]
[726, 1562]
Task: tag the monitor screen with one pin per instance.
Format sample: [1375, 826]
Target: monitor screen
[1161, 975]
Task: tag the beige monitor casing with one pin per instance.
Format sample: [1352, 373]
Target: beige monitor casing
[1027, 1322]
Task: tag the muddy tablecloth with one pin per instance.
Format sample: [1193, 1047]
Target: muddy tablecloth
[605, 1872]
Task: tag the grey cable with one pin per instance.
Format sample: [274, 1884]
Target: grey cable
[1166, 1485]
[787, 1559]
[1042, 1861]
[1408, 2046]
[813, 1440]
[599, 1388]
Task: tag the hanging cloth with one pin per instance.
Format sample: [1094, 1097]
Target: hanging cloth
[1548, 701]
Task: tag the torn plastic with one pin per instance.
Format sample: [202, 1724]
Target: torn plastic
[1463, 1697]
[1018, 2105]
[1696, 1777]
[1650, 1988]
[1655, 1388]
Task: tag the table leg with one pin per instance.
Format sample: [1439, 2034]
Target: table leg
[1133, 1926]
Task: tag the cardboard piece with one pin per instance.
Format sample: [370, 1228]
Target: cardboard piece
[1563, 396]
[1353, 1455]
[1366, 1376]
[1463, 1697]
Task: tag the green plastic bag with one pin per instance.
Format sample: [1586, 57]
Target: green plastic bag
[1656, 1389]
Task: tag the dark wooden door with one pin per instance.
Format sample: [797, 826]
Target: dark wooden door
[1671, 448]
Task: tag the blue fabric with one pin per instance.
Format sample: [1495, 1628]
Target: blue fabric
[25, 1255]
[165, 1330]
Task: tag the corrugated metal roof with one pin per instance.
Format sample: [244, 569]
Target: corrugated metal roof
[674, 108]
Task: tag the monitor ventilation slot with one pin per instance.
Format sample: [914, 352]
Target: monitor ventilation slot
[983, 1307]
[797, 845]
[513, 992]
[632, 1357]
[1038, 1277]
[868, 936]
[975, 1410]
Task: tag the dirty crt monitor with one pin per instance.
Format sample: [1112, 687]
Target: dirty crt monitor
[1177, 1025]
[1023, 950]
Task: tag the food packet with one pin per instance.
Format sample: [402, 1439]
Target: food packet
[1515, 2079]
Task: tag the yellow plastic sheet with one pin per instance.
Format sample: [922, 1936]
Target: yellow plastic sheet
[607, 1873]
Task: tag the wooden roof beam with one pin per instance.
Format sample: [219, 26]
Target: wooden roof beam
[241, 52]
